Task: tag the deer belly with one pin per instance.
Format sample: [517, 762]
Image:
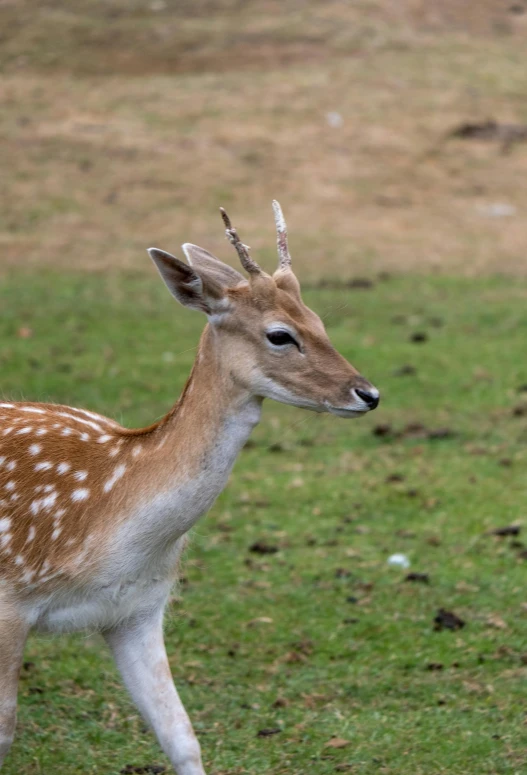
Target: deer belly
[127, 582]
[100, 608]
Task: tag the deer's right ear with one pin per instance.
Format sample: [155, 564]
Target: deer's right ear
[186, 285]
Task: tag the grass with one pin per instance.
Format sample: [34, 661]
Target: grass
[321, 639]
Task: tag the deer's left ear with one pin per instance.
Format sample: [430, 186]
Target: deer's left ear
[286, 281]
[205, 263]
[191, 288]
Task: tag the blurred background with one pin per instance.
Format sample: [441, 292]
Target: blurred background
[394, 135]
[127, 122]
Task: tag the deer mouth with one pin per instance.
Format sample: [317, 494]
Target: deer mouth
[344, 411]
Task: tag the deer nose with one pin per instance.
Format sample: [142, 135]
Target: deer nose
[370, 396]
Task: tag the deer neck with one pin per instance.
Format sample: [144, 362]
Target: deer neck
[214, 415]
[191, 452]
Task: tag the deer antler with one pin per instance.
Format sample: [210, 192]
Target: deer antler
[243, 250]
[284, 259]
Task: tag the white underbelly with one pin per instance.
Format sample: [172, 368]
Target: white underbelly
[98, 608]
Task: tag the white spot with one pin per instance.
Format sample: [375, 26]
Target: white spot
[45, 579]
[5, 540]
[35, 449]
[35, 506]
[2, 461]
[55, 534]
[58, 514]
[137, 450]
[66, 432]
[114, 451]
[80, 557]
[39, 488]
[80, 476]
[14, 497]
[19, 560]
[63, 468]
[11, 465]
[5, 524]
[104, 439]
[7, 406]
[7, 431]
[48, 488]
[31, 534]
[117, 474]
[94, 416]
[44, 569]
[80, 495]
[85, 436]
[57, 425]
[22, 431]
[44, 466]
[10, 486]
[49, 500]
[31, 409]
[28, 575]
[79, 419]
[41, 432]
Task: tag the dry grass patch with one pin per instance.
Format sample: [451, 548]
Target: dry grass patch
[130, 125]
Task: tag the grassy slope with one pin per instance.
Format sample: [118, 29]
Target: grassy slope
[337, 501]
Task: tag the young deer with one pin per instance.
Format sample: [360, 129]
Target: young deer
[93, 516]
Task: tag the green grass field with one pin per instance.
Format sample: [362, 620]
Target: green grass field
[314, 636]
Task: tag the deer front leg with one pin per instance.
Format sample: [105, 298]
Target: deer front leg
[13, 634]
[139, 650]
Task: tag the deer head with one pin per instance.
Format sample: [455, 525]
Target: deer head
[272, 345]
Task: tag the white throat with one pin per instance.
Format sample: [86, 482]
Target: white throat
[181, 500]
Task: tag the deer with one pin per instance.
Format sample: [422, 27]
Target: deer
[94, 517]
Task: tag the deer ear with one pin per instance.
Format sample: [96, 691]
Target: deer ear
[286, 280]
[207, 264]
[187, 286]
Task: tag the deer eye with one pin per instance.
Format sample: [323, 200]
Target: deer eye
[280, 338]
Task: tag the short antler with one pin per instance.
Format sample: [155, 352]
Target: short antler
[243, 250]
[284, 259]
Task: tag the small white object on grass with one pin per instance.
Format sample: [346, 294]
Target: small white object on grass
[334, 119]
[399, 561]
[498, 210]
